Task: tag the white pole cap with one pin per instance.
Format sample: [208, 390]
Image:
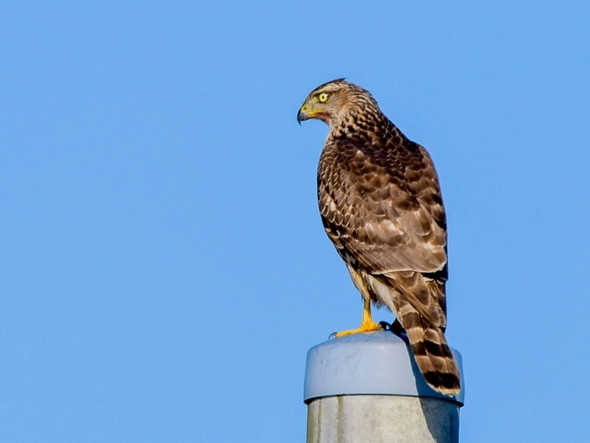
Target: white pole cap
[378, 363]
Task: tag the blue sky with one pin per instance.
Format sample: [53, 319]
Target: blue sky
[163, 269]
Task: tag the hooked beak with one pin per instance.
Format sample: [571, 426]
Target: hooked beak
[302, 115]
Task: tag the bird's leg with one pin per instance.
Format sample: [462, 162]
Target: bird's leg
[368, 325]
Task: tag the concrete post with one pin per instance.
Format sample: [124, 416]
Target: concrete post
[367, 388]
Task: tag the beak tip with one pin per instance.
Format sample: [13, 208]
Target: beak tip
[301, 116]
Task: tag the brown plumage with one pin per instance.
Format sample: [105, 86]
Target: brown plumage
[381, 205]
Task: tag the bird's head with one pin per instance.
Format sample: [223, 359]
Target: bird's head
[332, 100]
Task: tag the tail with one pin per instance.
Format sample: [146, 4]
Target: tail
[433, 355]
[419, 305]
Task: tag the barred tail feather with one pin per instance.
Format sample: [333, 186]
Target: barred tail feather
[432, 353]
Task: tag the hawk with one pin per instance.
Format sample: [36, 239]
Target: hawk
[381, 205]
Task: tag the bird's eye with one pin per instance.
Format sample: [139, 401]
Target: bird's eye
[323, 97]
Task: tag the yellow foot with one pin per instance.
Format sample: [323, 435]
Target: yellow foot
[365, 327]
[368, 325]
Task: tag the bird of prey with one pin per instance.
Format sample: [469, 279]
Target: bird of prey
[381, 205]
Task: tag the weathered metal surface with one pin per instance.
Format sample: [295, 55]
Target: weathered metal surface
[382, 419]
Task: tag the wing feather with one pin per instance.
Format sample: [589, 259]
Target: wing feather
[385, 212]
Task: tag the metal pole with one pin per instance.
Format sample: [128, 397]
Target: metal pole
[367, 388]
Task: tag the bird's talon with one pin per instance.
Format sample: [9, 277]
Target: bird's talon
[385, 326]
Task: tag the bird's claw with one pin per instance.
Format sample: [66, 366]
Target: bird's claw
[385, 326]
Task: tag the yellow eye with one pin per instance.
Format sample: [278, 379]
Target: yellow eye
[323, 97]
